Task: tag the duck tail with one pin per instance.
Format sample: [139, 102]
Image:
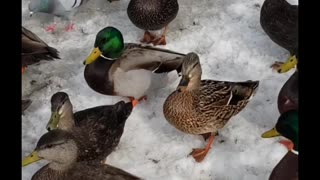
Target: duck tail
[123, 111]
[246, 89]
[54, 53]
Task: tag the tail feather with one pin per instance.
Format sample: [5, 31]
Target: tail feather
[123, 111]
[243, 91]
[54, 53]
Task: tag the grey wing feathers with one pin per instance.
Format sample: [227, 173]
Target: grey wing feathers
[150, 58]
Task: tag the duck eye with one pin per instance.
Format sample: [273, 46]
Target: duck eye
[195, 64]
[104, 40]
[49, 146]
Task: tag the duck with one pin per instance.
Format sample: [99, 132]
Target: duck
[61, 149]
[152, 15]
[34, 50]
[279, 20]
[287, 126]
[116, 68]
[102, 125]
[202, 107]
[288, 97]
[56, 8]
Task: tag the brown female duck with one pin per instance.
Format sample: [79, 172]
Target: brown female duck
[205, 106]
[102, 126]
[61, 148]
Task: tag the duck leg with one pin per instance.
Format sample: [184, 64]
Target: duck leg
[206, 136]
[135, 101]
[287, 144]
[162, 39]
[200, 154]
[281, 67]
[51, 28]
[147, 37]
[70, 27]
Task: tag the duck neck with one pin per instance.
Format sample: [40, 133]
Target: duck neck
[67, 157]
[194, 84]
[57, 166]
[66, 121]
[113, 54]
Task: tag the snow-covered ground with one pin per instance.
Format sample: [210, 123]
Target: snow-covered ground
[232, 46]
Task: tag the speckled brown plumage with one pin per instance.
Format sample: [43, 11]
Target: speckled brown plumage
[204, 107]
[98, 139]
[84, 171]
[98, 129]
[103, 127]
[209, 108]
[152, 14]
[61, 148]
[34, 49]
[279, 20]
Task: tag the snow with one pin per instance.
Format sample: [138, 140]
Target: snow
[232, 46]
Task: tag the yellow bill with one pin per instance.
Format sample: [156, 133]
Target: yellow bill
[53, 122]
[33, 157]
[93, 56]
[271, 133]
[289, 64]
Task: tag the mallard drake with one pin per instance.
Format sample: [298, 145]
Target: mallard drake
[204, 106]
[61, 149]
[287, 126]
[102, 125]
[279, 20]
[288, 97]
[152, 15]
[34, 49]
[115, 68]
